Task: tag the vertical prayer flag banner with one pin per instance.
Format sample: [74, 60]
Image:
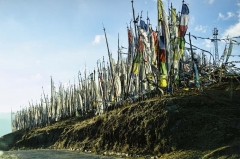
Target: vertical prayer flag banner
[161, 43]
[223, 56]
[130, 43]
[155, 41]
[163, 69]
[155, 47]
[225, 52]
[229, 50]
[143, 25]
[160, 11]
[181, 44]
[140, 45]
[161, 52]
[173, 15]
[168, 54]
[174, 22]
[162, 56]
[136, 63]
[178, 52]
[174, 43]
[184, 21]
[138, 57]
[197, 78]
[130, 38]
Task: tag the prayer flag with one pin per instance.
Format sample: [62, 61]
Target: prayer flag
[184, 21]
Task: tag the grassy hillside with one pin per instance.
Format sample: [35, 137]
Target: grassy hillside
[187, 124]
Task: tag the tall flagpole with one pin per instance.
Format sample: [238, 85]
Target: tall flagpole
[170, 49]
[197, 82]
[52, 99]
[134, 20]
[11, 120]
[110, 60]
[130, 59]
[134, 55]
[46, 106]
[118, 55]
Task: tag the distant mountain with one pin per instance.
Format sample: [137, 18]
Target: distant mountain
[5, 123]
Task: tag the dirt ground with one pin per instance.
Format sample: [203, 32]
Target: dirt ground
[44, 154]
[187, 124]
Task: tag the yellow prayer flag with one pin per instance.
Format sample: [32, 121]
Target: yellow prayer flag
[135, 68]
[173, 15]
[160, 11]
[181, 43]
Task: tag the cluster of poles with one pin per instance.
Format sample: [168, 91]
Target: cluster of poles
[157, 62]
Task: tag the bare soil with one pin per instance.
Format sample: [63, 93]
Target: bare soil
[187, 124]
[44, 154]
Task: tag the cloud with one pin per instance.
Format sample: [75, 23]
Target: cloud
[223, 17]
[192, 20]
[98, 39]
[201, 28]
[37, 62]
[210, 1]
[37, 76]
[220, 15]
[208, 43]
[230, 14]
[232, 31]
